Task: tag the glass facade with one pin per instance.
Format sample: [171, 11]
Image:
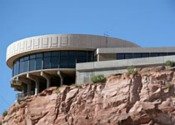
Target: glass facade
[47, 60]
[120, 56]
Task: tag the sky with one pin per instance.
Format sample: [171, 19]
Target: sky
[148, 23]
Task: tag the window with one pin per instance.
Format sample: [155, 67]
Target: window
[46, 60]
[55, 59]
[120, 56]
[153, 54]
[72, 59]
[162, 54]
[64, 59]
[16, 68]
[21, 65]
[90, 56]
[32, 63]
[171, 53]
[26, 64]
[137, 55]
[82, 57]
[145, 55]
[39, 58]
[128, 55]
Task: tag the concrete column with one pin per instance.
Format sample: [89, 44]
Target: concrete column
[36, 88]
[29, 89]
[23, 93]
[36, 80]
[47, 77]
[98, 57]
[61, 77]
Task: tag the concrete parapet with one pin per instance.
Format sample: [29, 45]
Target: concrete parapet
[84, 71]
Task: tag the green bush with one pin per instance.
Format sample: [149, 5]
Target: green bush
[98, 78]
[131, 70]
[4, 113]
[170, 63]
[168, 85]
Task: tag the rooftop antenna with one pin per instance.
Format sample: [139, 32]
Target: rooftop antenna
[106, 35]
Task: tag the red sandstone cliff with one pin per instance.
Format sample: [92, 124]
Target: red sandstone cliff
[147, 98]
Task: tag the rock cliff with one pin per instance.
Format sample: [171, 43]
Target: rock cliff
[146, 98]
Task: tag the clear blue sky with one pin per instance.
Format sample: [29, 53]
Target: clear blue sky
[145, 22]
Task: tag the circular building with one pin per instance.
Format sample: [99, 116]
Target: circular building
[49, 60]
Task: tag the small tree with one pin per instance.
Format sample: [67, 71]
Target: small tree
[170, 63]
[98, 78]
[4, 113]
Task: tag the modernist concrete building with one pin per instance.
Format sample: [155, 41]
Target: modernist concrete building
[49, 60]
[52, 60]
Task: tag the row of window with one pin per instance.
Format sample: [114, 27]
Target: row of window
[140, 55]
[46, 60]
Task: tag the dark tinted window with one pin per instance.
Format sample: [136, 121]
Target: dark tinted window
[128, 55]
[16, 68]
[72, 59]
[55, 59]
[163, 54]
[145, 54]
[64, 59]
[137, 55]
[46, 60]
[32, 64]
[38, 63]
[82, 57]
[120, 56]
[153, 54]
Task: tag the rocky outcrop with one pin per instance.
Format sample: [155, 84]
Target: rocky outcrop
[146, 98]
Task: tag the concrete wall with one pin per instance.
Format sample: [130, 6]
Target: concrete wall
[84, 71]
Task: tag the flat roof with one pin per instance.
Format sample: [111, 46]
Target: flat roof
[135, 50]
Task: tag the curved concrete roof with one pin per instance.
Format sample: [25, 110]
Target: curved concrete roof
[61, 42]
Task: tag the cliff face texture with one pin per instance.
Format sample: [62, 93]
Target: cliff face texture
[147, 98]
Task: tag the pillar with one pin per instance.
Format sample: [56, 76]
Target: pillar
[36, 80]
[98, 57]
[61, 77]
[28, 89]
[47, 77]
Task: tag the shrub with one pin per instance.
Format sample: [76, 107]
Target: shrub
[4, 113]
[78, 85]
[170, 63]
[169, 85]
[98, 78]
[57, 90]
[131, 70]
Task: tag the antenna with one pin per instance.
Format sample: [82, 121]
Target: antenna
[106, 35]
